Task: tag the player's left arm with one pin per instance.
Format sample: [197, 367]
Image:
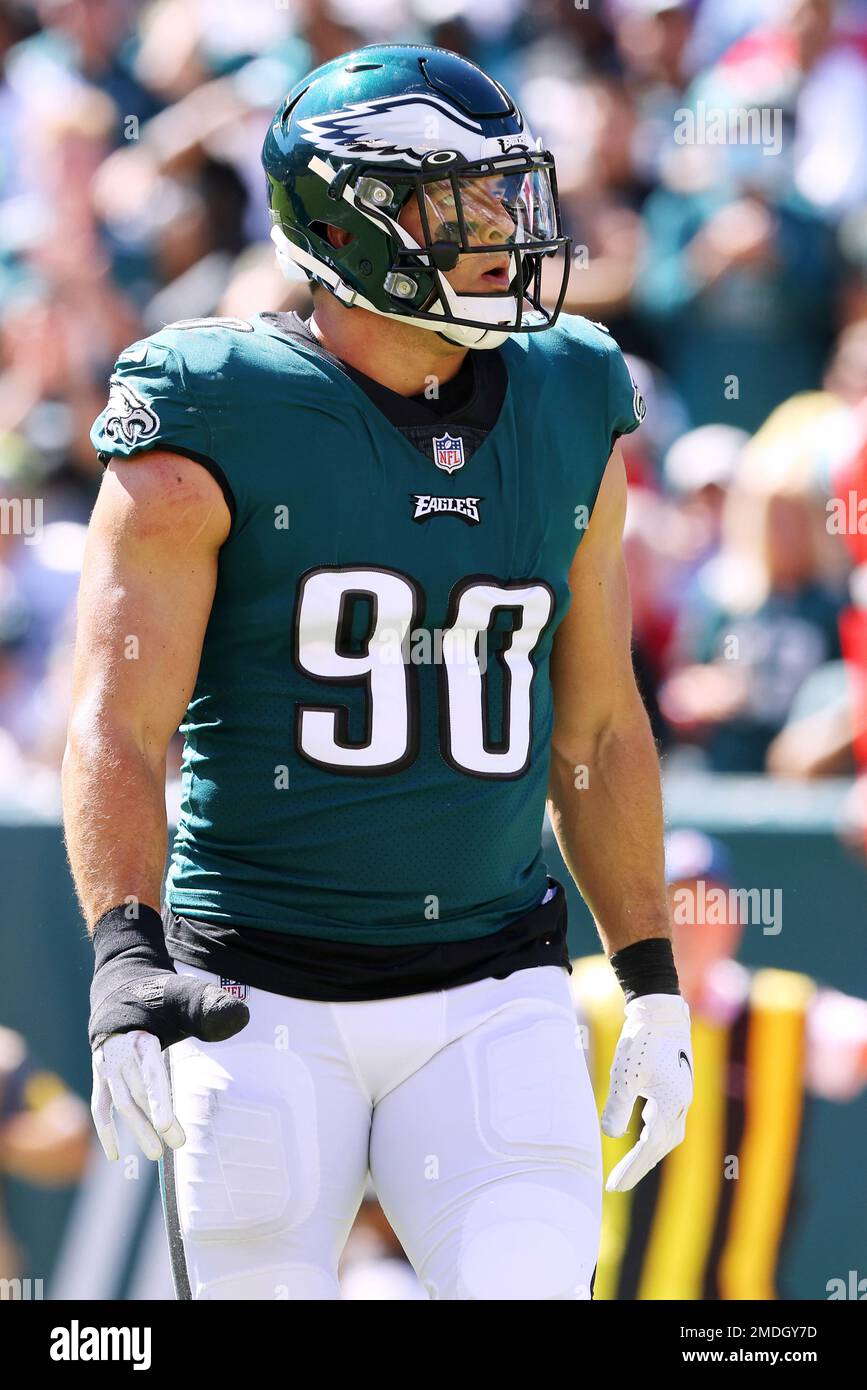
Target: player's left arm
[605, 804]
[605, 798]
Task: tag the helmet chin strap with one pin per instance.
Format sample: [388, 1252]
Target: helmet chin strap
[456, 333]
[289, 256]
[490, 338]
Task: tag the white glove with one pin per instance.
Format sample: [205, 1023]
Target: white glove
[653, 1060]
[129, 1075]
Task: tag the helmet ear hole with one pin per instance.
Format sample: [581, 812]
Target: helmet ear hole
[335, 236]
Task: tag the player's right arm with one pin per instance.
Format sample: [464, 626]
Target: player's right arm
[147, 586]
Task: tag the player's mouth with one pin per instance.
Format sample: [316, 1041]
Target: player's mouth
[497, 277]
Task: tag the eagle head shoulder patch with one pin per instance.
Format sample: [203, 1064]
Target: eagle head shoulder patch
[128, 418]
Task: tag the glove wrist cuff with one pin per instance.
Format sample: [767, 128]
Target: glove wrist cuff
[131, 968]
[658, 1008]
[646, 967]
[139, 938]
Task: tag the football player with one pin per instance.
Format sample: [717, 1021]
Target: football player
[371, 562]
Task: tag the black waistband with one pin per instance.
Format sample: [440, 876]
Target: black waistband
[305, 967]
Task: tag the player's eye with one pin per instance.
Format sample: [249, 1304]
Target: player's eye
[451, 231]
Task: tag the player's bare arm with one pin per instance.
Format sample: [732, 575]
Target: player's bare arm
[605, 800]
[606, 808]
[146, 591]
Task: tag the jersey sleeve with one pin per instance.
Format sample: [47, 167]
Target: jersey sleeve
[152, 405]
[626, 408]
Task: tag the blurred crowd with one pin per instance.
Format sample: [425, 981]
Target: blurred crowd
[733, 272]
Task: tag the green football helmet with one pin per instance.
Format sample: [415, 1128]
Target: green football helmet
[399, 133]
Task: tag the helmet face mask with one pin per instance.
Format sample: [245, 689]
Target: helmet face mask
[426, 222]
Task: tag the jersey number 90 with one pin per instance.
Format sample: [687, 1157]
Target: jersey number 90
[384, 668]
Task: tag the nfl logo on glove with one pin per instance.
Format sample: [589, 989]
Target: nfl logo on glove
[234, 987]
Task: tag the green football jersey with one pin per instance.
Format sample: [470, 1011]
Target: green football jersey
[367, 745]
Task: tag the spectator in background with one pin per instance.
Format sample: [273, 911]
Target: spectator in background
[63, 323]
[818, 736]
[809, 60]
[718, 26]
[737, 283]
[669, 537]
[849, 486]
[624, 116]
[652, 38]
[374, 1267]
[44, 1133]
[79, 42]
[765, 1043]
[197, 249]
[16, 687]
[652, 539]
[741, 276]
[764, 614]
[600, 197]
[698, 471]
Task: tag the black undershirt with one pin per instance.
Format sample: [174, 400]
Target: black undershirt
[470, 402]
[307, 967]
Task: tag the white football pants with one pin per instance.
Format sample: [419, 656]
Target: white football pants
[472, 1108]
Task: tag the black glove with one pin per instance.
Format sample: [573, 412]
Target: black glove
[135, 985]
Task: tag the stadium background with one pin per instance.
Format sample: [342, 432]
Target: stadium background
[733, 275]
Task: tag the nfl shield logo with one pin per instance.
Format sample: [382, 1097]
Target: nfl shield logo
[448, 453]
[233, 987]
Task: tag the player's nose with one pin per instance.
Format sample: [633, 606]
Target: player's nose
[500, 227]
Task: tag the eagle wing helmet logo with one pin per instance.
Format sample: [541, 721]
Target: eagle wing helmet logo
[394, 128]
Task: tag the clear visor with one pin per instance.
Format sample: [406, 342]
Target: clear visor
[496, 210]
